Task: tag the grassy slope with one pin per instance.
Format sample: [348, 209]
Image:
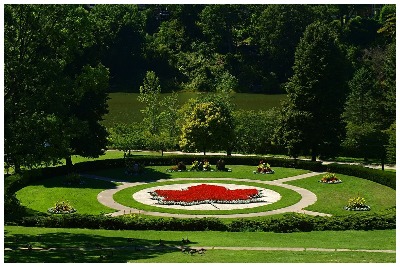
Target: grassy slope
[50, 237]
[42, 195]
[333, 197]
[124, 107]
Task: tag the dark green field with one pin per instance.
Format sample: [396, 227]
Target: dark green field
[125, 108]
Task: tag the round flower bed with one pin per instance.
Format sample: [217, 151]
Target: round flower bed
[61, 207]
[330, 178]
[357, 204]
[206, 194]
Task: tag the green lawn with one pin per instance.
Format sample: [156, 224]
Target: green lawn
[238, 171]
[42, 195]
[125, 108]
[333, 197]
[87, 238]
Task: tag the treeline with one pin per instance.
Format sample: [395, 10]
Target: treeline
[249, 48]
[335, 62]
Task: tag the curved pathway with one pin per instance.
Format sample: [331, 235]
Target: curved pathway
[307, 198]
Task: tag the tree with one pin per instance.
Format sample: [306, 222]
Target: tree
[391, 146]
[278, 30]
[316, 93]
[150, 95]
[46, 116]
[247, 123]
[206, 125]
[160, 114]
[362, 114]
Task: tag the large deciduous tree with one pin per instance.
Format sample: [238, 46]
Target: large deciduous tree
[316, 93]
[279, 29]
[207, 125]
[53, 100]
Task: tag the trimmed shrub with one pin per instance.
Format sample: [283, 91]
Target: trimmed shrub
[292, 222]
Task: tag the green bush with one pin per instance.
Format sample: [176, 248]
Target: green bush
[381, 177]
[292, 222]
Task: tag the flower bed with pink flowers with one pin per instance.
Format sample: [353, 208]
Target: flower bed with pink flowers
[206, 194]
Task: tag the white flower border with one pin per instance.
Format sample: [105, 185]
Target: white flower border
[365, 208]
[161, 201]
[331, 182]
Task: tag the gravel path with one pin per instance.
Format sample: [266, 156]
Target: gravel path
[308, 198]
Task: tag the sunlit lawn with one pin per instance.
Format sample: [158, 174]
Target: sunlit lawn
[88, 239]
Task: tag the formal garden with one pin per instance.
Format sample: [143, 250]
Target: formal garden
[169, 133]
[243, 212]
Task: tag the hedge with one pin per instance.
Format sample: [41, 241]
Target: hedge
[292, 222]
[381, 177]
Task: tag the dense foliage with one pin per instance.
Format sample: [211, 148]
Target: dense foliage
[289, 223]
[62, 60]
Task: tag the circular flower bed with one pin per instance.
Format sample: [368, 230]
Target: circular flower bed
[357, 204]
[206, 194]
[61, 207]
[330, 178]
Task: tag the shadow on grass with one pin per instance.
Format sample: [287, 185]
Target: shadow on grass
[71, 247]
[148, 175]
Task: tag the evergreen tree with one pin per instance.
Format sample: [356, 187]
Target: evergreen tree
[363, 116]
[316, 93]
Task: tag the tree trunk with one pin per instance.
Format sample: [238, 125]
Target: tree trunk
[68, 163]
[162, 152]
[313, 154]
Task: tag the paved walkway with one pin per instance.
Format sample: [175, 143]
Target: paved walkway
[307, 198]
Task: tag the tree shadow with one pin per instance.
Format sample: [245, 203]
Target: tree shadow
[147, 175]
[70, 247]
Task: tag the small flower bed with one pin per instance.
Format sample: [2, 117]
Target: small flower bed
[330, 178]
[357, 204]
[201, 166]
[61, 207]
[177, 168]
[206, 194]
[263, 168]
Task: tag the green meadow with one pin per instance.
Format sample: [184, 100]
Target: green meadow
[125, 107]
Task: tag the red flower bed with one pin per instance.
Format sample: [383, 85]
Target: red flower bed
[206, 192]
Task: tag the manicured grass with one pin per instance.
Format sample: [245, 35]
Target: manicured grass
[85, 238]
[42, 195]
[333, 197]
[238, 171]
[125, 108]
[289, 197]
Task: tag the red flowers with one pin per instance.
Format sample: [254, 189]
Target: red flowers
[205, 193]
